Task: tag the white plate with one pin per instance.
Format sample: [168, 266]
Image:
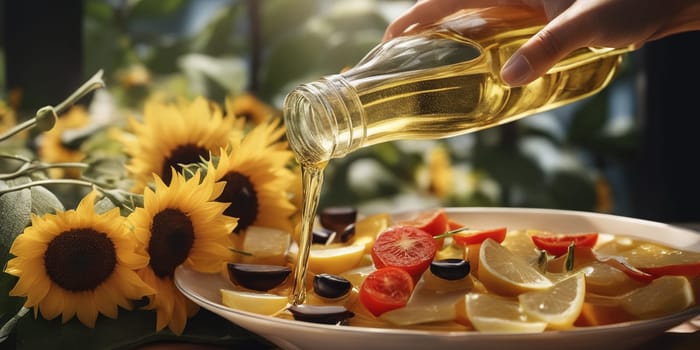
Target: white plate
[203, 289]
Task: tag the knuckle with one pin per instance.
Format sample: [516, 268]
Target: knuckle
[548, 42]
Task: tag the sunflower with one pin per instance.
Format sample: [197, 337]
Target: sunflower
[257, 179]
[77, 262]
[250, 108]
[174, 134]
[180, 223]
[52, 149]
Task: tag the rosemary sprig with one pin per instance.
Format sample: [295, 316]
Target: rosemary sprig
[569, 264]
[451, 233]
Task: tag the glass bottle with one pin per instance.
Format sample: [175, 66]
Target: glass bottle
[437, 82]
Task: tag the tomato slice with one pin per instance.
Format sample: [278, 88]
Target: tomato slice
[432, 221]
[406, 247]
[558, 244]
[386, 289]
[468, 237]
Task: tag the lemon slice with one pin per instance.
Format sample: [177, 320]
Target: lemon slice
[559, 305]
[519, 242]
[649, 255]
[493, 313]
[335, 259]
[266, 246]
[663, 296]
[367, 229]
[259, 303]
[506, 273]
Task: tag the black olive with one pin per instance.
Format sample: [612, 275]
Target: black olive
[337, 218]
[331, 286]
[450, 269]
[257, 277]
[322, 236]
[348, 233]
[326, 314]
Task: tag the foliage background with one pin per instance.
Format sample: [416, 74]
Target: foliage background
[570, 158]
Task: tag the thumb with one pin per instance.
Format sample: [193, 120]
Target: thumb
[551, 44]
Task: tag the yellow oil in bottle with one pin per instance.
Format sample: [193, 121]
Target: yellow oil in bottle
[436, 83]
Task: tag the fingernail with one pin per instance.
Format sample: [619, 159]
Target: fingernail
[516, 70]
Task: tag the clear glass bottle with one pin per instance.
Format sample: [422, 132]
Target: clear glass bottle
[437, 82]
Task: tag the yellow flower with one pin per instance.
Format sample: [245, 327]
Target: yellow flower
[52, 149]
[250, 108]
[605, 200]
[77, 262]
[173, 134]
[441, 174]
[180, 223]
[257, 179]
[7, 117]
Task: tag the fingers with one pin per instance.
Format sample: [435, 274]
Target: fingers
[562, 35]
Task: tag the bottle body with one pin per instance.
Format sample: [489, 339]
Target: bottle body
[435, 83]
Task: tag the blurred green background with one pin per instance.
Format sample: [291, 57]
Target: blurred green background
[600, 154]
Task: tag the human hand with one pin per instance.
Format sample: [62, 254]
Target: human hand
[572, 24]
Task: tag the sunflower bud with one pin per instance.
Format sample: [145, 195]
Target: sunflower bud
[46, 118]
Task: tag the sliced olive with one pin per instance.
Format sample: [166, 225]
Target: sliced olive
[337, 218]
[326, 314]
[347, 233]
[257, 277]
[331, 286]
[322, 236]
[450, 269]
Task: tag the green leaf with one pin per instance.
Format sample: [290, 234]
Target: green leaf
[15, 214]
[509, 166]
[588, 122]
[131, 329]
[281, 15]
[288, 60]
[44, 201]
[219, 35]
[124, 200]
[229, 73]
[572, 190]
[109, 171]
[150, 9]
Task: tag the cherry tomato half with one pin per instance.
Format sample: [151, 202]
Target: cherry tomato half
[478, 236]
[406, 247]
[558, 244]
[432, 221]
[386, 289]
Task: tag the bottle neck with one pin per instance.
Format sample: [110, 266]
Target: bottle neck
[324, 120]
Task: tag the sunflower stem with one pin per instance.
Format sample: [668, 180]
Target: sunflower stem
[45, 117]
[51, 182]
[95, 82]
[29, 167]
[7, 328]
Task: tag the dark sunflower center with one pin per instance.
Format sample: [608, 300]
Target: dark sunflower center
[183, 154]
[240, 192]
[172, 237]
[80, 259]
[247, 115]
